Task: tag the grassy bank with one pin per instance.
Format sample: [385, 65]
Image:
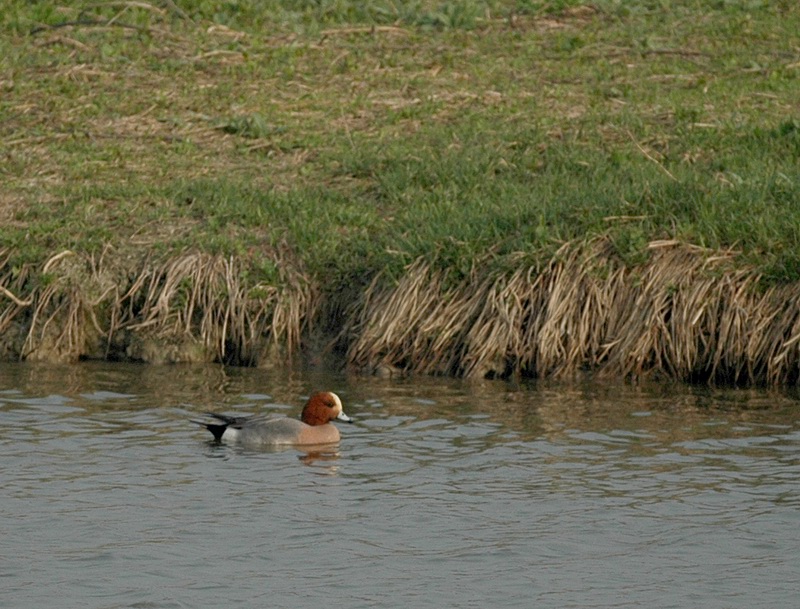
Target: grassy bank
[217, 179]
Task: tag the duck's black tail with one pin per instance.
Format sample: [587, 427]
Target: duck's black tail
[217, 428]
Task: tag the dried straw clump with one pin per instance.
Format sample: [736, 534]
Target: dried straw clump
[685, 314]
[418, 326]
[694, 317]
[13, 305]
[546, 323]
[194, 307]
[55, 319]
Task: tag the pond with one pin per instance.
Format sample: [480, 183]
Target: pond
[443, 493]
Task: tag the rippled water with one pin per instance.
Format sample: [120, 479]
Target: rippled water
[443, 494]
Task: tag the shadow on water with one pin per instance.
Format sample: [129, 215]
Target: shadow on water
[170, 395]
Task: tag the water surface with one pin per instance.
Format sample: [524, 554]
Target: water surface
[442, 494]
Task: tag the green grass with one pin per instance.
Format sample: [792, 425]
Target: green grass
[356, 137]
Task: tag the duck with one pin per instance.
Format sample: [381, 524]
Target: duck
[313, 427]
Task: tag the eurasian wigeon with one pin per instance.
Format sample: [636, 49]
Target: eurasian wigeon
[314, 426]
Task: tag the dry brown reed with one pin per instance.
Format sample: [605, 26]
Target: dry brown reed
[686, 313]
[192, 307]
